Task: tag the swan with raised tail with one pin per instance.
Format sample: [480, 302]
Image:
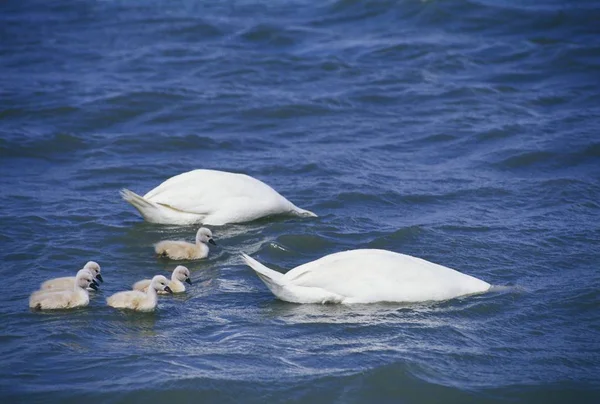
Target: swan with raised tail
[367, 276]
[211, 197]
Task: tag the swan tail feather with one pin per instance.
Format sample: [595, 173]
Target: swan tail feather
[146, 208]
[273, 279]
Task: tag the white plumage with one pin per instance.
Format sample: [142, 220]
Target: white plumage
[367, 276]
[211, 197]
[182, 250]
[140, 301]
[68, 282]
[180, 274]
[64, 299]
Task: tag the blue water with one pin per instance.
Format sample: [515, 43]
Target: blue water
[462, 132]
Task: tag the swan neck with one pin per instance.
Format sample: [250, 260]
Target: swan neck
[151, 291]
[203, 247]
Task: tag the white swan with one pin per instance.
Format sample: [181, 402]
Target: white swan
[182, 250]
[180, 274]
[211, 197]
[67, 282]
[65, 299]
[367, 276]
[140, 301]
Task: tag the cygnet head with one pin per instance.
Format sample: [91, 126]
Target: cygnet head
[204, 235]
[160, 283]
[84, 279]
[182, 274]
[93, 275]
[94, 267]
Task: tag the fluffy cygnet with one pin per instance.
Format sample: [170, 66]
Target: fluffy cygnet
[180, 274]
[68, 282]
[65, 299]
[140, 301]
[182, 250]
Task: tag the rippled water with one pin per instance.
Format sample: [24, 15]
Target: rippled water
[463, 132]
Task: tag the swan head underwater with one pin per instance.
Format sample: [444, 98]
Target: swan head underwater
[94, 269]
[182, 274]
[204, 235]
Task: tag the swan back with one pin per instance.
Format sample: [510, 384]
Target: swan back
[211, 197]
[371, 275]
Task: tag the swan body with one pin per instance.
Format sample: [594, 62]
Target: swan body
[211, 197]
[65, 299]
[68, 282]
[367, 276]
[140, 301]
[182, 250]
[180, 274]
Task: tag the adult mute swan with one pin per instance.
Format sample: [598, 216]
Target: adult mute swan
[367, 276]
[140, 301]
[182, 250]
[211, 197]
[180, 274]
[67, 282]
[65, 299]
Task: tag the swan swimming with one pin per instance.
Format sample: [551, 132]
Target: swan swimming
[211, 197]
[65, 299]
[140, 301]
[180, 274]
[367, 276]
[67, 282]
[182, 250]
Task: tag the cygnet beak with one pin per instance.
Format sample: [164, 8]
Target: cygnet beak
[168, 289]
[94, 286]
[210, 240]
[99, 277]
[94, 282]
[188, 280]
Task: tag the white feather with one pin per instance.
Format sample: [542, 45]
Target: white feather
[179, 275]
[136, 300]
[367, 276]
[182, 250]
[68, 282]
[211, 197]
[64, 299]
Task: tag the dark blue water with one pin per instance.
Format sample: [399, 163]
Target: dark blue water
[462, 132]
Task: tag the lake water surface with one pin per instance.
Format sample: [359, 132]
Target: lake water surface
[463, 132]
